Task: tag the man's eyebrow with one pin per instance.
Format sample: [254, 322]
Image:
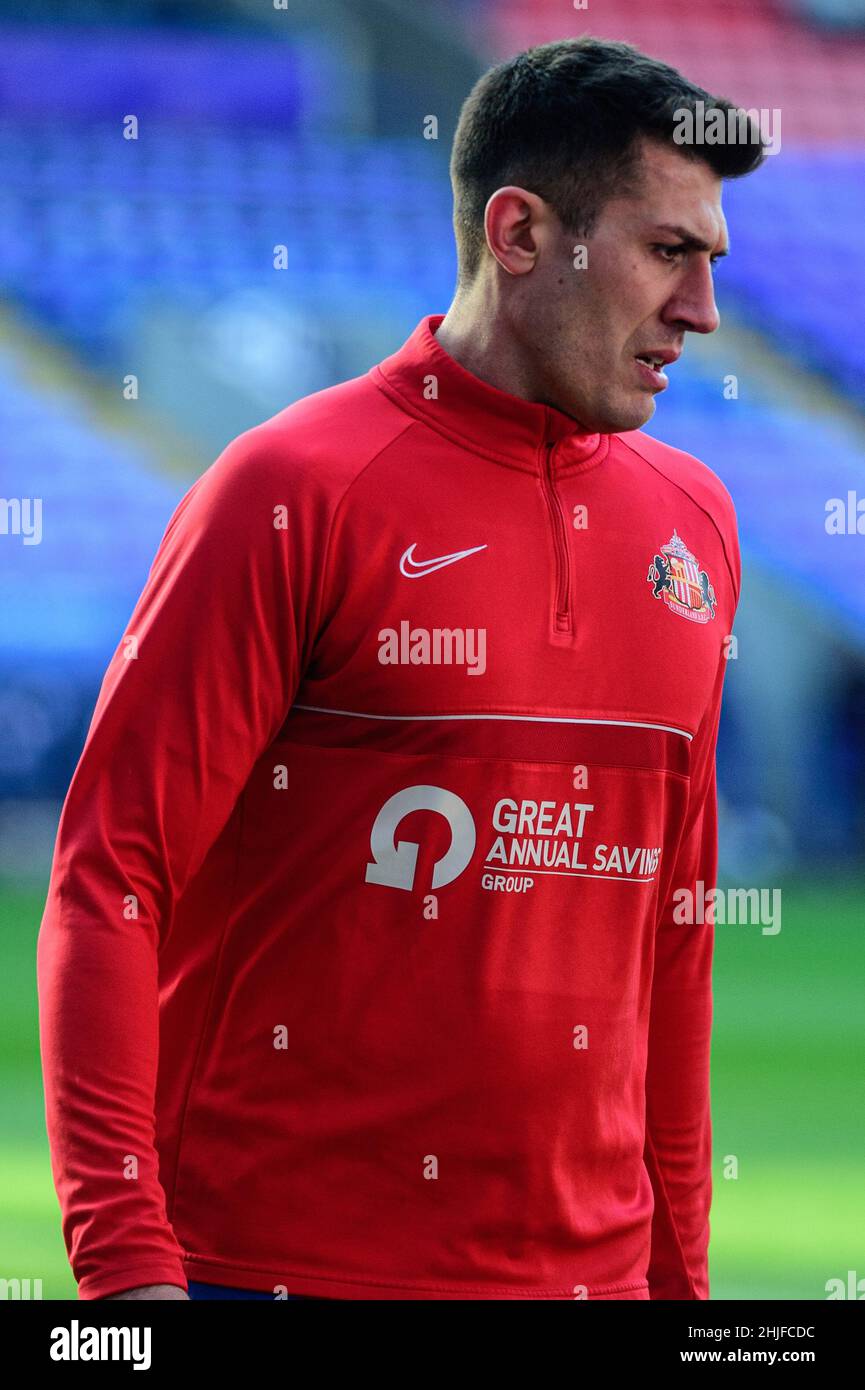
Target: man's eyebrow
[689, 240]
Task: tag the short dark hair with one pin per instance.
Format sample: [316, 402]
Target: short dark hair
[564, 120]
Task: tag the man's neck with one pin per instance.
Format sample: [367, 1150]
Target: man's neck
[485, 349]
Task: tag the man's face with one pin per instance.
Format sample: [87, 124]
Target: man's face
[647, 282]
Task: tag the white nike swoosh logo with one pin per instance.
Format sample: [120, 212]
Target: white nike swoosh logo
[414, 569]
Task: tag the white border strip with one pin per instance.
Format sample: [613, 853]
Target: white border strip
[529, 869]
[520, 718]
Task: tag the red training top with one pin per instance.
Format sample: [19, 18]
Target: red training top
[360, 972]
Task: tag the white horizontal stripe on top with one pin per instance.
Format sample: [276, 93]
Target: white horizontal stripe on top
[521, 718]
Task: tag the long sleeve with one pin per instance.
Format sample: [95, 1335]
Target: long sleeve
[197, 688]
[678, 1148]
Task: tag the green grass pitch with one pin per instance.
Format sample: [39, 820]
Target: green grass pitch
[787, 1075]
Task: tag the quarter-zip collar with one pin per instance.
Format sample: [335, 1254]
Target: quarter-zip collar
[430, 384]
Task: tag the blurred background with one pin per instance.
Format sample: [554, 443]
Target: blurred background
[153, 155]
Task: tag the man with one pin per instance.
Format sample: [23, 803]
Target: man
[365, 883]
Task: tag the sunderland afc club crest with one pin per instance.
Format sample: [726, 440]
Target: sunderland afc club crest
[679, 581]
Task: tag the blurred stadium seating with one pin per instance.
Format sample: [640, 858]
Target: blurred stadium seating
[155, 256]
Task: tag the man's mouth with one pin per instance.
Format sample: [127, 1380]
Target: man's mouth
[664, 355]
[651, 371]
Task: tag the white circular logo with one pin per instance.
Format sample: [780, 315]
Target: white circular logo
[394, 861]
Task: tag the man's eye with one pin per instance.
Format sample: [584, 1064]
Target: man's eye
[673, 254]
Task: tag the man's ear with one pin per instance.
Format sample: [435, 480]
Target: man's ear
[513, 222]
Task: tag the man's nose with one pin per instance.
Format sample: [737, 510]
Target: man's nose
[693, 305]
